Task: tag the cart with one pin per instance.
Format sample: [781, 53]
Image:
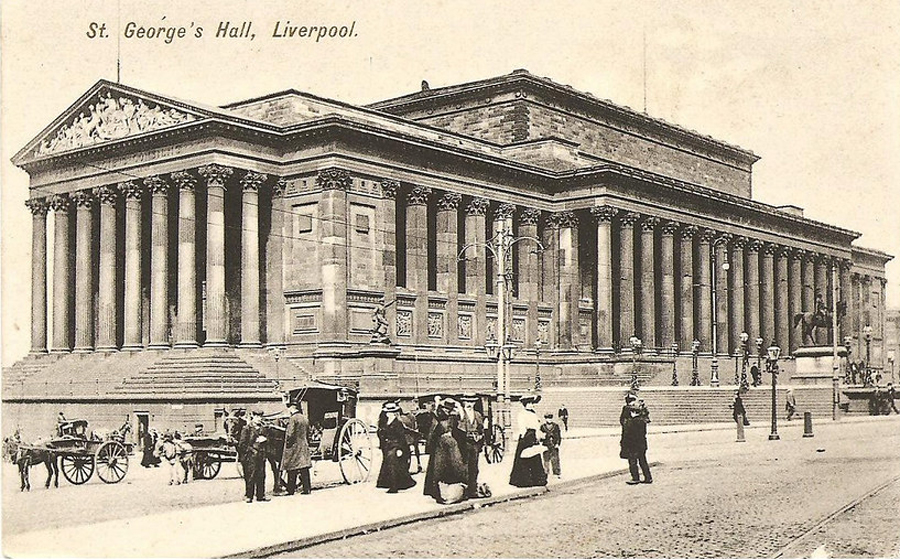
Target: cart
[81, 455]
[494, 434]
[209, 452]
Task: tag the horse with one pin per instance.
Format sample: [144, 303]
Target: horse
[274, 445]
[812, 321]
[180, 456]
[31, 456]
[410, 424]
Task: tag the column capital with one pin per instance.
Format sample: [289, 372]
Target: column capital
[107, 194]
[389, 188]
[823, 259]
[60, 203]
[418, 196]
[650, 223]
[504, 211]
[333, 179]
[252, 180]
[723, 239]
[628, 219]
[809, 256]
[670, 227]
[882, 281]
[688, 231]
[215, 175]
[563, 220]
[184, 180]
[769, 249]
[83, 198]
[754, 245]
[529, 216]
[603, 214]
[38, 206]
[131, 190]
[738, 243]
[157, 185]
[477, 206]
[279, 187]
[846, 264]
[785, 251]
[707, 235]
[449, 202]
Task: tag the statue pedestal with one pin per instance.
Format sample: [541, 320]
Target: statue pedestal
[814, 365]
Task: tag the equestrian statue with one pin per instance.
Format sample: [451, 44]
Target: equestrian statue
[821, 317]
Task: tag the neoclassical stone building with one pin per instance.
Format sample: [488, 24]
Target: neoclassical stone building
[202, 255]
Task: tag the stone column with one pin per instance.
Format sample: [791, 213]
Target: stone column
[84, 268]
[686, 301]
[704, 268]
[133, 338]
[627, 326]
[107, 302]
[781, 299]
[215, 318]
[159, 261]
[529, 271]
[720, 275]
[550, 276]
[648, 286]
[475, 263]
[186, 329]
[388, 206]
[868, 319]
[752, 291]
[417, 257]
[807, 298]
[795, 288]
[333, 209]
[738, 281]
[821, 288]
[846, 296]
[38, 207]
[274, 272]
[667, 293]
[767, 296]
[604, 215]
[566, 222]
[60, 204]
[250, 323]
[447, 278]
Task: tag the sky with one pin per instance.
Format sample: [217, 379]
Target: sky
[812, 87]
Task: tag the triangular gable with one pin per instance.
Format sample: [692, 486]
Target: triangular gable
[105, 113]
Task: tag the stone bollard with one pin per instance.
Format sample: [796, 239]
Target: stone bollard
[807, 425]
[740, 431]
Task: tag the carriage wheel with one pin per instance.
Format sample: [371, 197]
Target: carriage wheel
[206, 467]
[494, 451]
[355, 452]
[77, 468]
[112, 462]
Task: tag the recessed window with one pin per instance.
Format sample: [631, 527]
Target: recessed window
[362, 223]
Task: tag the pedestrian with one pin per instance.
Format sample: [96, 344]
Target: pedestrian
[854, 370]
[738, 411]
[528, 466]
[148, 441]
[446, 466]
[754, 374]
[891, 395]
[295, 460]
[253, 449]
[563, 414]
[394, 474]
[634, 419]
[552, 439]
[790, 403]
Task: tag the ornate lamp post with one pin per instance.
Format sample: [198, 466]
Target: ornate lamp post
[674, 363]
[745, 358]
[867, 335]
[695, 352]
[773, 353]
[714, 376]
[759, 355]
[636, 347]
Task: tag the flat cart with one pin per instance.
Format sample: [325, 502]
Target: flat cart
[335, 433]
[495, 438]
[81, 455]
[209, 452]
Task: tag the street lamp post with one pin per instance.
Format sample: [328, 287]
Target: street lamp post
[745, 354]
[759, 354]
[774, 352]
[867, 334]
[636, 346]
[848, 365]
[674, 363]
[695, 352]
[714, 366]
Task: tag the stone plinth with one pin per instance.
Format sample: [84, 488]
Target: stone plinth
[813, 365]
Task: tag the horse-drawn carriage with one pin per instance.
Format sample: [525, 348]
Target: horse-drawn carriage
[494, 434]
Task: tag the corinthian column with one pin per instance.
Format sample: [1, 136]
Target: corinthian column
[447, 277]
[132, 303]
[216, 322]
[275, 327]
[529, 271]
[250, 323]
[159, 261]
[821, 288]
[752, 291]
[686, 301]
[846, 296]
[569, 281]
[767, 295]
[475, 265]
[388, 222]
[84, 288]
[107, 302]
[737, 290]
[795, 287]
[667, 293]
[186, 331]
[38, 207]
[781, 298]
[604, 215]
[723, 321]
[333, 208]
[417, 257]
[626, 267]
[62, 274]
[648, 285]
[704, 308]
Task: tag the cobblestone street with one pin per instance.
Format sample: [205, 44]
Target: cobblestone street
[751, 502]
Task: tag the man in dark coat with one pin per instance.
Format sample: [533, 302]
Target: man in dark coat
[252, 447]
[471, 426]
[552, 439]
[295, 459]
[739, 412]
[634, 419]
[563, 415]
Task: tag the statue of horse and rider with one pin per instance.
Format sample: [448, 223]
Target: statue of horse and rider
[821, 317]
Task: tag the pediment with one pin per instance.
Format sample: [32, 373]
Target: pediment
[106, 113]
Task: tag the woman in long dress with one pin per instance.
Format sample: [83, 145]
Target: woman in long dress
[445, 460]
[394, 474]
[527, 471]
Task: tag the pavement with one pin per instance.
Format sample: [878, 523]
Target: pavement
[238, 529]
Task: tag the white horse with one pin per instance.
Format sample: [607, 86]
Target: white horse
[179, 455]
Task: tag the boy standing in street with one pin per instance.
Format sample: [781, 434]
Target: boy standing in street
[552, 439]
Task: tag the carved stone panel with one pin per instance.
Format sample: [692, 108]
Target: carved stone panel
[435, 325]
[464, 326]
[404, 323]
[544, 331]
[518, 329]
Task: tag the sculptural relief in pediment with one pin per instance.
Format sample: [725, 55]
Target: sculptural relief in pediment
[109, 117]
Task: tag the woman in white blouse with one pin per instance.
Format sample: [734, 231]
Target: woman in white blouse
[528, 468]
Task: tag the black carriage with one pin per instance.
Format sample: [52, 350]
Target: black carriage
[495, 438]
[81, 455]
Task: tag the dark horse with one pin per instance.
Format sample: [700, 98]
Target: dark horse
[274, 445]
[811, 322]
[26, 457]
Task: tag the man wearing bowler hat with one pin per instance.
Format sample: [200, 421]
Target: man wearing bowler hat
[295, 458]
[472, 426]
[252, 447]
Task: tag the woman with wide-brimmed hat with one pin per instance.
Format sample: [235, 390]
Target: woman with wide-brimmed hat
[528, 467]
[394, 474]
[446, 466]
